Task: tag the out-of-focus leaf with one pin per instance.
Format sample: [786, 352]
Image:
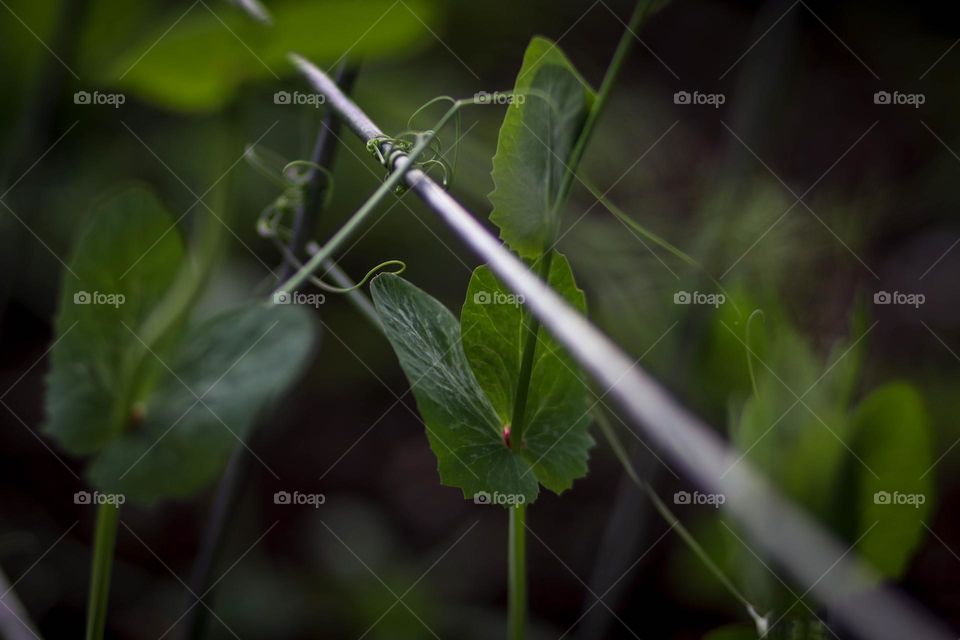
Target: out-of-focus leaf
[135, 406]
[536, 138]
[796, 427]
[556, 441]
[462, 425]
[121, 267]
[221, 376]
[723, 370]
[199, 64]
[892, 437]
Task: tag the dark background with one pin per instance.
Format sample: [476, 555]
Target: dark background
[799, 99]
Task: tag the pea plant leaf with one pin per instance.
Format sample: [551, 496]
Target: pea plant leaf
[158, 420]
[538, 133]
[556, 441]
[463, 376]
[891, 435]
[122, 264]
[220, 376]
[462, 426]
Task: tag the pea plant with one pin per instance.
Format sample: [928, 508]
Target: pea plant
[505, 408]
[157, 393]
[156, 397]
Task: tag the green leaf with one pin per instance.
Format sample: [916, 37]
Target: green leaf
[219, 379]
[134, 407]
[534, 147]
[798, 422]
[131, 249]
[892, 436]
[209, 52]
[462, 425]
[556, 442]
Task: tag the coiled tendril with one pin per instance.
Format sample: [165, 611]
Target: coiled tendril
[294, 178]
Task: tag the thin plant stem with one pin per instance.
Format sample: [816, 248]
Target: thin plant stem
[195, 622]
[640, 13]
[398, 165]
[517, 571]
[228, 490]
[627, 39]
[532, 323]
[105, 535]
[621, 453]
[322, 155]
[531, 337]
[343, 234]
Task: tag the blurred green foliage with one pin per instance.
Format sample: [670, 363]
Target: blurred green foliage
[126, 371]
[201, 96]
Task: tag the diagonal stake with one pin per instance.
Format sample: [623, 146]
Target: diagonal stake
[781, 529]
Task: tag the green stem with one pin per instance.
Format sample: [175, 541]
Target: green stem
[661, 242]
[108, 516]
[518, 590]
[517, 567]
[621, 453]
[640, 13]
[393, 180]
[518, 417]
